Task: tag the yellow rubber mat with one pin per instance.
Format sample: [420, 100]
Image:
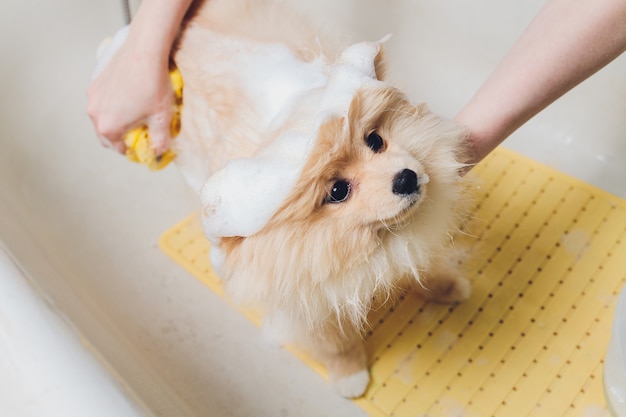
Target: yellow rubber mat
[547, 261]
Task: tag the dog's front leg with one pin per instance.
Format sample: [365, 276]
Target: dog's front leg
[341, 348]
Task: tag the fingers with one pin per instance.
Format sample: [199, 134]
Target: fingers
[118, 146]
[159, 129]
[110, 138]
[109, 132]
[122, 98]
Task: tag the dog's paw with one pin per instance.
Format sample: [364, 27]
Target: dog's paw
[447, 289]
[277, 330]
[352, 386]
[457, 290]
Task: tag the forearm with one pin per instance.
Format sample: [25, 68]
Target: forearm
[567, 42]
[155, 27]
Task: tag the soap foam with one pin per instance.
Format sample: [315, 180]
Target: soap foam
[241, 198]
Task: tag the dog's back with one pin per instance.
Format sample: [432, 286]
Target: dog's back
[263, 21]
[241, 60]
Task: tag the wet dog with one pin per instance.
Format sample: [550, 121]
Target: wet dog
[323, 187]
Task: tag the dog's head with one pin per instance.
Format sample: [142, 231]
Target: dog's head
[369, 169]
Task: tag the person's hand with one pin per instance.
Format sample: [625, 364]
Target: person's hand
[133, 89]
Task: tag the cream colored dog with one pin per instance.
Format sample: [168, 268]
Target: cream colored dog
[323, 187]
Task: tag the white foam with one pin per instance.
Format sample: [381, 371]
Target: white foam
[272, 76]
[240, 198]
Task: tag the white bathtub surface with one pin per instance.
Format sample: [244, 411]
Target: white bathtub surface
[45, 369]
[615, 361]
[84, 223]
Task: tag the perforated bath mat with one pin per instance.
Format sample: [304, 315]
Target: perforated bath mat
[547, 261]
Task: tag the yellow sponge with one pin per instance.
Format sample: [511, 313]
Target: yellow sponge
[137, 140]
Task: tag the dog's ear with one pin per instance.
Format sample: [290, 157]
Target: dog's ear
[366, 58]
[380, 65]
[359, 65]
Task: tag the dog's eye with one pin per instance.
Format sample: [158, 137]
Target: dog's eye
[340, 192]
[375, 142]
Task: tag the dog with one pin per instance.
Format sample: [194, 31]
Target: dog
[323, 187]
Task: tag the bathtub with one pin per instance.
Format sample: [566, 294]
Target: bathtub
[79, 225]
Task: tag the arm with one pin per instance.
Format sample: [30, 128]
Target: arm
[567, 42]
[134, 87]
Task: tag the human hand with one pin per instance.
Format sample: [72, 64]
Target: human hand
[134, 88]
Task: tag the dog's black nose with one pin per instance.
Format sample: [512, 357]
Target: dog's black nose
[405, 182]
